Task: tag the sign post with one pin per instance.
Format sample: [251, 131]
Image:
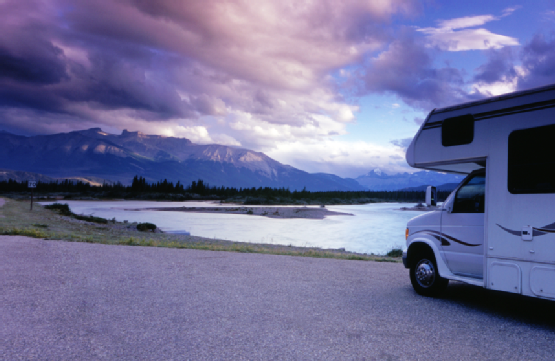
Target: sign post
[32, 184]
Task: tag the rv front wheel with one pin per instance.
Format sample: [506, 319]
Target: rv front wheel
[424, 276]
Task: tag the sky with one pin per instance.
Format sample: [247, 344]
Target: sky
[325, 86]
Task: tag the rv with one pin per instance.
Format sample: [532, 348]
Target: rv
[497, 228]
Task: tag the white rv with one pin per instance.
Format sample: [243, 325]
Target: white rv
[497, 229]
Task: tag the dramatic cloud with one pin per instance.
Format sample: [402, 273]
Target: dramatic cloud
[167, 60]
[218, 71]
[498, 67]
[407, 69]
[501, 74]
[538, 62]
[271, 75]
[454, 35]
[498, 75]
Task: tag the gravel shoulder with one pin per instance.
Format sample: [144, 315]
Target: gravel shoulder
[63, 300]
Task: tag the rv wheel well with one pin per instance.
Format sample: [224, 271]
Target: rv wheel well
[418, 249]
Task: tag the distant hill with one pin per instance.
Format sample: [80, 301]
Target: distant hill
[94, 153]
[378, 180]
[21, 176]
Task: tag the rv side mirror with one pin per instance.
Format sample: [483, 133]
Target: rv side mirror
[431, 199]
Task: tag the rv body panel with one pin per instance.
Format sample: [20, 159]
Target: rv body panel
[464, 245]
[514, 240]
[426, 150]
[425, 230]
[518, 239]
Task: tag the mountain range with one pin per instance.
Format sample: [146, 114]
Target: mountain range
[96, 155]
[380, 181]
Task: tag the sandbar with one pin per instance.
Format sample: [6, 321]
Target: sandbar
[271, 212]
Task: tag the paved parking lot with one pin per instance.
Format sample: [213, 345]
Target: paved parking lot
[62, 301]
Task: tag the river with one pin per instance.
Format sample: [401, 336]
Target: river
[375, 228]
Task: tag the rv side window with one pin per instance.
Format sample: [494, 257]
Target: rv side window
[457, 130]
[470, 198]
[531, 167]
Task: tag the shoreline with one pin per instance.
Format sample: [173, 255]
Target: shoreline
[270, 212]
[47, 224]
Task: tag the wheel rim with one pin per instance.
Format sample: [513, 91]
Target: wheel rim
[425, 273]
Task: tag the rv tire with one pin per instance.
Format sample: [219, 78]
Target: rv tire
[424, 276]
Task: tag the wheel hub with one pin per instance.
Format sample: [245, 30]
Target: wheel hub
[425, 273]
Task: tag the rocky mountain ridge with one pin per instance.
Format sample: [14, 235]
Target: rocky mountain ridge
[93, 152]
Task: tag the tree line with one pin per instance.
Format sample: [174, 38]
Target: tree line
[139, 185]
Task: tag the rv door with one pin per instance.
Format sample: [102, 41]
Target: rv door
[462, 227]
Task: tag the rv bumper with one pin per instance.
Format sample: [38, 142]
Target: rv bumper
[405, 259]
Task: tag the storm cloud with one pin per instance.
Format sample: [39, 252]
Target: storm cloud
[499, 67]
[271, 75]
[163, 60]
[406, 68]
[538, 62]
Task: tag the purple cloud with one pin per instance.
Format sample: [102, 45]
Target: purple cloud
[105, 61]
[406, 68]
[538, 62]
[507, 70]
[499, 66]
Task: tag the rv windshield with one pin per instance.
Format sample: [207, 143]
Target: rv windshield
[470, 198]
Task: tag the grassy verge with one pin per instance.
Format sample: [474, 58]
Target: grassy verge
[17, 219]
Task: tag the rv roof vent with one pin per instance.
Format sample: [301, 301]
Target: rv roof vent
[457, 130]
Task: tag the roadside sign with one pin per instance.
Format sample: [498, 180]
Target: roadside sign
[32, 184]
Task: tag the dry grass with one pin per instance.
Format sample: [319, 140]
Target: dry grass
[17, 219]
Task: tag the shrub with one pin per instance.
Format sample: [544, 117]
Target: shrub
[91, 219]
[144, 227]
[60, 208]
[395, 252]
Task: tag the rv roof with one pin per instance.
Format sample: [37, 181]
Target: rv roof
[494, 99]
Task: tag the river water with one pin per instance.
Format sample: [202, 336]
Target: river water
[375, 228]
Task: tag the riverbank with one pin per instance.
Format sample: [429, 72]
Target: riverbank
[270, 212]
[42, 223]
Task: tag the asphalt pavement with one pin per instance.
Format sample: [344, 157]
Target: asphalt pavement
[80, 301]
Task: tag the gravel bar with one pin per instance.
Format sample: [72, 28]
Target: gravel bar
[80, 301]
[270, 212]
